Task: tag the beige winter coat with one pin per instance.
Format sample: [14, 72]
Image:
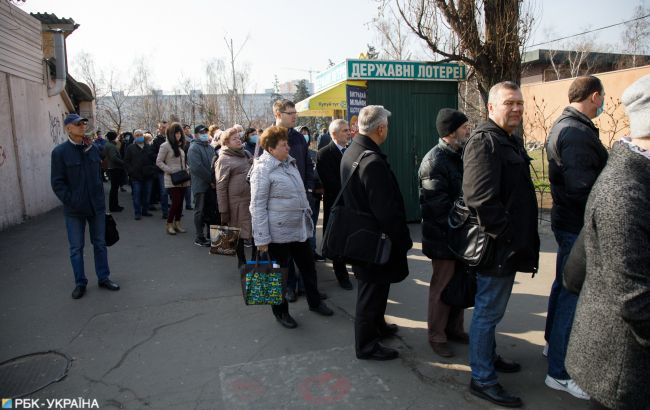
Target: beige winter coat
[169, 164]
[233, 191]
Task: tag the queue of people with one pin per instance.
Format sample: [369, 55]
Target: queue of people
[264, 183]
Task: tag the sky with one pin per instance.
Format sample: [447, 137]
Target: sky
[280, 37]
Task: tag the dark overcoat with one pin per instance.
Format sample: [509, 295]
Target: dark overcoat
[374, 189]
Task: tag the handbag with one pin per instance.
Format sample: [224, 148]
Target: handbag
[352, 235]
[466, 240]
[262, 282]
[111, 233]
[461, 288]
[223, 239]
[181, 176]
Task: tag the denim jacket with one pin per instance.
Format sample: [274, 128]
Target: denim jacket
[76, 179]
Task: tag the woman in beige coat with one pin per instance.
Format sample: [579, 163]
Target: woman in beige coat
[171, 158]
[233, 191]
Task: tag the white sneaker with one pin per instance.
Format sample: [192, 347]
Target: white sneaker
[545, 351]
[567, 385]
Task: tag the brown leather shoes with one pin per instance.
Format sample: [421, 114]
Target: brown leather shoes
[442, 349]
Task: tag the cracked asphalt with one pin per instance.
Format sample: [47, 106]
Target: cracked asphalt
[179, 335]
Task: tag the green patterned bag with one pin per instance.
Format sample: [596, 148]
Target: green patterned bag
[262, 282]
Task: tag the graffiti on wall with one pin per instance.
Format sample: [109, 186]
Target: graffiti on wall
[56, 129]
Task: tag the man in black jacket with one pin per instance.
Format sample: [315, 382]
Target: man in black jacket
[159, 191]
[139, 164]
[373, 189]
[328, 167]
[576, 157]
[497, 185]
[441, 177]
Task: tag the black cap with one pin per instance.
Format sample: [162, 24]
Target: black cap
[199, 129]
[449, 120]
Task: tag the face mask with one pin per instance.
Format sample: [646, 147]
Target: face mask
[241, 134]
[204, 137]
[253, 138]
[306, 138]
[139, 140]
[600, 109]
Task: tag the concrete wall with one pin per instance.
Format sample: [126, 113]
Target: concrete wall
[545, 101]
[32, 124]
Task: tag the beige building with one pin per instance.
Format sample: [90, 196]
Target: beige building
[544, 102]
[35, 95]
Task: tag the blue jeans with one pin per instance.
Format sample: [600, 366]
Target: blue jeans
[561, 309]
[141, 192]
[492, 295]
[76, 227]
[164, 196]
[188, 198]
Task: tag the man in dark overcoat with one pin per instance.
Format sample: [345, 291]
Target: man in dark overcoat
[373, 189]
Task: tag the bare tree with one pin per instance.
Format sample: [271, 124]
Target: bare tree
[637, 33]
[486, 35]
[613, 120]
[112, 108]
[236, 111]
[392, 33]
[84, 67]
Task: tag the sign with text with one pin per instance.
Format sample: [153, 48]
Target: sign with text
[356, 99]
[404, 70]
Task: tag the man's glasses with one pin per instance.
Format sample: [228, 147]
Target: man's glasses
[289, 112]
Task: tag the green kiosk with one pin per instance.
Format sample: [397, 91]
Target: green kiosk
[413, 91]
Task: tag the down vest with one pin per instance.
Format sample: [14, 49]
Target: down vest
[279, 207]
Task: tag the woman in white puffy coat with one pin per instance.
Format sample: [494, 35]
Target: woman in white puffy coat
[281, 217]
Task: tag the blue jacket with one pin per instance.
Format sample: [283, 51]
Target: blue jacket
[76, 179]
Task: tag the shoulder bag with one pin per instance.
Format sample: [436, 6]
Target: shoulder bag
[181, 176]
[467, 241]
[352, 235]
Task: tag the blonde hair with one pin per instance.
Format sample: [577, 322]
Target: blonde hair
[227, 134]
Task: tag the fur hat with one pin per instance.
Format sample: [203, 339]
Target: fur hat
[449, 120]
[636, 99]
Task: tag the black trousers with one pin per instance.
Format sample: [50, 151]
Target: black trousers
[241, 252]
[304, 260]
[116, 176]
[371, 307]
[340, 271]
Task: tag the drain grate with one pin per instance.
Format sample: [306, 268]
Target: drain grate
[24, 375]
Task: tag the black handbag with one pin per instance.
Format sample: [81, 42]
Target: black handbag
[111, 235]
[181, 176]
[467, 241]
[460, 292]
[354, 236]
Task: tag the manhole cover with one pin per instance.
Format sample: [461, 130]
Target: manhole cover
[27, 374]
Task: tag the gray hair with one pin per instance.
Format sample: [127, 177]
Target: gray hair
[336, 125]
[371, 117]
[508, 85]
[138, 132]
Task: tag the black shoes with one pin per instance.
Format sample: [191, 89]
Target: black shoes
[506, 366]
[164, 216]
[147, 214]
[319, 258]
[322, 309]
[388, 330]
[109, 284]
[346, 284]
[137, 217]
[118, 209]
[380, 353]
[286, 320]
[202, 242]
[322, 295]
[495, 394]
[78, 292]
[291, 295]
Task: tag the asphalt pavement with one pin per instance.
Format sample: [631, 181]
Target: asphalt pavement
[178, 335]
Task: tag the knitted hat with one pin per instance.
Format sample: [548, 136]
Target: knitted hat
[636, 99]
[448, 121]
